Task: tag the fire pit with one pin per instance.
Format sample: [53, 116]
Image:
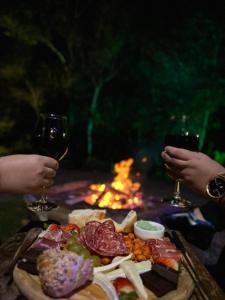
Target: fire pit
[122, 193]
[118, 196]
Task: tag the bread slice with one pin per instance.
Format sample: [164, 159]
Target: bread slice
[127, 224]
[81, 216]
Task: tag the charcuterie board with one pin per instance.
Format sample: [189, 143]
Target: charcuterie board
[101, 259]
[30, 287]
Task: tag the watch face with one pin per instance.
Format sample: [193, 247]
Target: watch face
[216, 187]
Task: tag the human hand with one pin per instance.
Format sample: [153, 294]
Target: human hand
[26, 173]
[194, 169]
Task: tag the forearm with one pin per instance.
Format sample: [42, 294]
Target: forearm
[2, 166]
[8, 173]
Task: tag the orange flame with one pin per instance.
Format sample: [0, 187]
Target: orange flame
[121, 193]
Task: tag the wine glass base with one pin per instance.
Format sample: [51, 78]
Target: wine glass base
[178, 202]
[41, 206]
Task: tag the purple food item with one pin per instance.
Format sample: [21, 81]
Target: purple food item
[58, 235]
[43, 243]
[62, 272]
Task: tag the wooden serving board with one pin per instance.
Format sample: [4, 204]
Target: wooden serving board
[30, 286]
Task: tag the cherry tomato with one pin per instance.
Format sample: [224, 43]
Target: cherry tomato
[54, 227]
[71, 227]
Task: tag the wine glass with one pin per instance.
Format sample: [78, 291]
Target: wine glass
[181, 135]
[50, 139]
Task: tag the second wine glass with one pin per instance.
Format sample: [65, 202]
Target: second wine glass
[181, 134]
[50, 139]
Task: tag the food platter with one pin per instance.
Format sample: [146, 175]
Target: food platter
[30, 287]
[100, 260]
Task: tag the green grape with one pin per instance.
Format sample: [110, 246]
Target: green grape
[85, 253]
[77, 248]
[96, 260]
[71, 241]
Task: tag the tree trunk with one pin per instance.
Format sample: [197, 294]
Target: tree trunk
[90, 126]
[204, 129]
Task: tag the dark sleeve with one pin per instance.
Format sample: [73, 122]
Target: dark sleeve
[215, 214]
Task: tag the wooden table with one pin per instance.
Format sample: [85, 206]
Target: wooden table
[10, 292]
[211, 288]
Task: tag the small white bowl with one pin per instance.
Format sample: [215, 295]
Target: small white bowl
[156, 232]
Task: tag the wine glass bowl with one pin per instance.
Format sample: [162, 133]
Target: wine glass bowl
[50, 139]
[181, 134]
[189, 142]
[51, 136]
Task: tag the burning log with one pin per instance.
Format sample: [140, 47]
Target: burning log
[121, 193]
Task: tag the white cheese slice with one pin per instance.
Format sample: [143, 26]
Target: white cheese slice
[142, 267]
[133, 275]
[115, 262]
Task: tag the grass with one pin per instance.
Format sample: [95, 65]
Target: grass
[13, 215]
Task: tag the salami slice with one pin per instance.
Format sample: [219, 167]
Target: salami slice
[108, 242]
[90, 230]
[112, 244]
[87, 235]
[106, 229]
[103, 239]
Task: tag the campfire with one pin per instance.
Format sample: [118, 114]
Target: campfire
[122, 193]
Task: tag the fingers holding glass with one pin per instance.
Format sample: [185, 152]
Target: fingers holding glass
[51, 142]
[179, 141]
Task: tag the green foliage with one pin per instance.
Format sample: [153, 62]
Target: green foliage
[183, 79]
[219, 156]
[14, 28]
[5, 125]
[3, 150]
[91, 61]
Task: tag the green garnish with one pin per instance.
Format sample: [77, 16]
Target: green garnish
[128, 296]
[147, 225]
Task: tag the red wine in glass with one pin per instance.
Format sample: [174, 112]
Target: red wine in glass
[189, 142]
[51, 136]
[181, 135]
[50, 139]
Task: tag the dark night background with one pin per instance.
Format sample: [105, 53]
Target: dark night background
[119, 69]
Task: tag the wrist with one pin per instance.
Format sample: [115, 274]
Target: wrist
[1, 174]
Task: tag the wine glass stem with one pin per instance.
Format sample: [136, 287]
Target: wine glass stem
[177, 190]
[44, 197]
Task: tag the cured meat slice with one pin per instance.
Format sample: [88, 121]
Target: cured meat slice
[158, 243]
[175, 254]
[163, 249]
[107, 230]
[58, 235]
[44, 244]
[111, 245]
[103, 239]
[88, 234]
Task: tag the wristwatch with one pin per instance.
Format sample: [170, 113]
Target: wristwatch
[216, 188]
